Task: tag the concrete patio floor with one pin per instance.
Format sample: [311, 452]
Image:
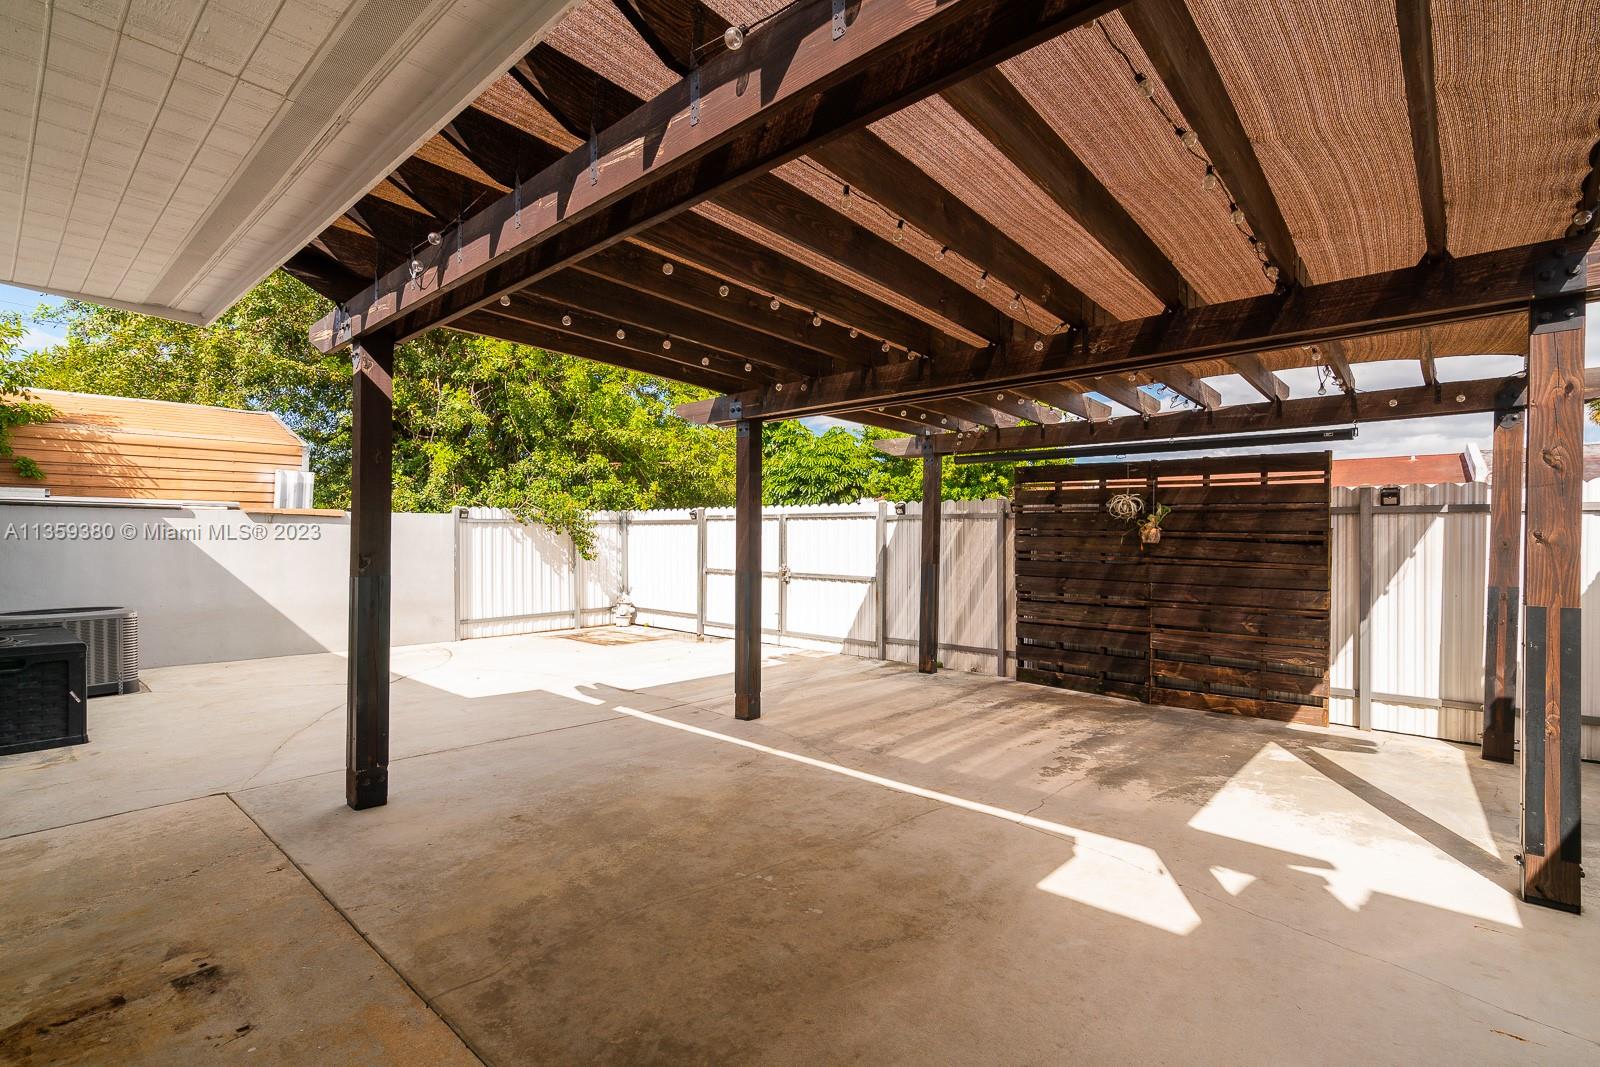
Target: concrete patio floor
[586, 859]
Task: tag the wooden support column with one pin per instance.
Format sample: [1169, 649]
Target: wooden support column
[1505, 587]
[928, 591]
[1552, 651]
[371, 493]
[747, 572]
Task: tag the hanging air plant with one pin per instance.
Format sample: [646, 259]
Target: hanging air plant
[1150, 525]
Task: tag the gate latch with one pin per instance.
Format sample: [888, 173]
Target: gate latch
[785, 574]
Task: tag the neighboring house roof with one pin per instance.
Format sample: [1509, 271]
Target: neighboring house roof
[1403, 470]
[165, 158]
[111, 446]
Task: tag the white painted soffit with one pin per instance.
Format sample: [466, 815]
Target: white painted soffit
[166, 155]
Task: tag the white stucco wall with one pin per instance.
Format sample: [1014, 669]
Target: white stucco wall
[215, 584]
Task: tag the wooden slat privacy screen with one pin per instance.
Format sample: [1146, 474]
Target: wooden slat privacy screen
[1229, 611]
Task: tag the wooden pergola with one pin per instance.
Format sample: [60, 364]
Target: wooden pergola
[1001, 225]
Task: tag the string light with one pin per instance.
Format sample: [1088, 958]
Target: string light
[666, 268]
[943, 251]
[722, 290]
[622, 335]
[1038, 346]
[433, 238]
[983, 279]
[775, 305]
[1191, 144]
[1582, 217]
[899, 231]
[747, 368]
[885, 346]
[505, 301]
[816, 320]
[854, 333]
[666, 346]
[1016, 301]
[733, 38]
[566, 320]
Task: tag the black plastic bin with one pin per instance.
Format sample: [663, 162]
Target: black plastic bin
[43, 687]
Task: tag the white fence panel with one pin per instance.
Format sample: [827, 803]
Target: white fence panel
[515, 577]
[825, 586]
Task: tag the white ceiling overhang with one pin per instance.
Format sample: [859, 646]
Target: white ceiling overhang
[166, 155]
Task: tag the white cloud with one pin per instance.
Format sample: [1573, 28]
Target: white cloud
[34, 339]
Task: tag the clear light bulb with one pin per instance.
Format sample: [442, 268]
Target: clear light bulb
[733, 38]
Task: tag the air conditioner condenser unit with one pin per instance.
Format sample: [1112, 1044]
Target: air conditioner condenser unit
[111, 637]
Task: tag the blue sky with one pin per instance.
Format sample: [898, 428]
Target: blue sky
[15, 301]
[1449, 433]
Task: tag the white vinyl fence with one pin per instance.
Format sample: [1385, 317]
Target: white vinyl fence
[840, 578]
[845, 578]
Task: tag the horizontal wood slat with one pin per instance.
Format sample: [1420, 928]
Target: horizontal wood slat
[1227, 612]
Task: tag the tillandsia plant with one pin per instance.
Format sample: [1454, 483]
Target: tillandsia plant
[1150, 525]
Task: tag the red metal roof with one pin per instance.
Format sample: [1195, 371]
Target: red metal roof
[1402, 470]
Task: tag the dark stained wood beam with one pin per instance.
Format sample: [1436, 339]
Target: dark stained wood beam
[325, 274]
[1431, 293]
[531, 308]
[928, 587]
[618, 303]
[1334, 353]
[1415, 18]
[507, 153]
[779, 208]
[991, 104]
[1256, 375]
[917, 420]
[1169, 36]
[1068, 399]
[747, 572]
[1504, 593]
[1119, 388]
[366, 773]
[790, 87]
[1186, 385]
[718, 250]
[1413, 402]
[488, 324]
[973, 411]
[701, 292]
[1426, 363]
[1022, 406]
[864, 161]
[1552, 644]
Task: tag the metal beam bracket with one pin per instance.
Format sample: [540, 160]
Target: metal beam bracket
[838, 19]
[694, 97]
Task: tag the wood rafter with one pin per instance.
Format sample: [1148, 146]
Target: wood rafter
[1415, 18]
[1256, 375]
[700, 292]
[618, 303]
[1413, 402]
[1180, 381]
[1068, 399]
[1169, 36]
[1334, 353]
[1467, 287]
[992, 105]
[489, 324]
[790, 87]
[1125, 392]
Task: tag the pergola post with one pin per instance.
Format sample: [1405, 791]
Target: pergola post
[928, 591]
[1552, 650]
[1504, 587]
[747, 572]
[371, 496]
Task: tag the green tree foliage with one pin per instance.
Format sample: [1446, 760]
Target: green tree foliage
[477, 422]
[18, 407]
[841, 467]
